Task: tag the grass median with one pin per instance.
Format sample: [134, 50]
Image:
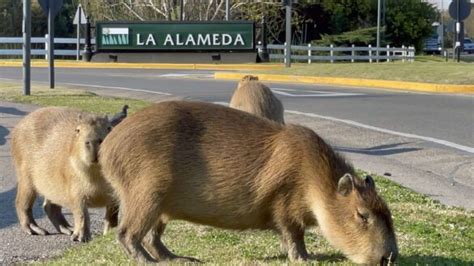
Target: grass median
[423, 70]
[427, 231]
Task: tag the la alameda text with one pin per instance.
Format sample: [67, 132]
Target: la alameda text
[193, 40]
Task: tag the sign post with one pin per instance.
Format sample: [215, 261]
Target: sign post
[51, 9]
[79, 19]
[459, 10]
[288, 4]
[26, 47]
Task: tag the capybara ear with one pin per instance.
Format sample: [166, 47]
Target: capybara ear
[345, 184]
[249, 77]
[369, 182]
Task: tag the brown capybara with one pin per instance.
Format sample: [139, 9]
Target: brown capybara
[218, 166]
[254, 97]
[55, 153]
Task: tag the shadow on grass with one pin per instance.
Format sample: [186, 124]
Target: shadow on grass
[432, 260]
[312, 258]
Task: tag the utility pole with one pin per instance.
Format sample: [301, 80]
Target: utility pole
[378, 30]
[26, 47]
[288, 32]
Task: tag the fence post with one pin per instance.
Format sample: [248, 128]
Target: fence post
[353, 53]
[46, 48]
[331, 53]
[309, 53]
[284, 53]
[370, 53]
[388, 53]
[404, 53]
[412, 54]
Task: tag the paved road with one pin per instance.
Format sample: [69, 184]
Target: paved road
[449, 118]
[424, 141]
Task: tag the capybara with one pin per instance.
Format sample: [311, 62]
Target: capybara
[218, 166]
[55, 153]
[254, 97]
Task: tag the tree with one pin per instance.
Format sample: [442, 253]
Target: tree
[409, 22]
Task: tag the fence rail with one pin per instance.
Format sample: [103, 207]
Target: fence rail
[352, 53]
[42, 51]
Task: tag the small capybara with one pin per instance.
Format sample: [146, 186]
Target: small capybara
[55, 153]
[254, 97]
[218, 166]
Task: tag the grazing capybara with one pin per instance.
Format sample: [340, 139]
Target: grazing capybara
[55, 153]
[218, 166]
[254, 97]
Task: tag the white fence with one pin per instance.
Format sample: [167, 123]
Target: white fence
[371, 54]
[277, 52]
[41, 51]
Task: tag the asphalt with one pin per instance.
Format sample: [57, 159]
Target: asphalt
[380, 131]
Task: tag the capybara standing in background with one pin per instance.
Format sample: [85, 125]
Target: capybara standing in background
[217, 166]
[55, 153]
[254, 97]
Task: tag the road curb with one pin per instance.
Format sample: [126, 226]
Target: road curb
[80, 64]
[352, 82]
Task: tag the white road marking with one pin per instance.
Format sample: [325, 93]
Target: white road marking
[107, 87]
[378, 129]
[116, 88]
[312, 93]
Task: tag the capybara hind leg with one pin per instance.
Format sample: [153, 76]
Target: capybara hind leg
[56, 217]
[111, 217]
[25, 198]
[81, 223]
[294, 238]
[157, 249]
[137, 219]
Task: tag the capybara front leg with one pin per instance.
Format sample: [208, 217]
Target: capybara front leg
[295, 244]
[25, 198]
[81, 223]
[111, 217]
[56, 217]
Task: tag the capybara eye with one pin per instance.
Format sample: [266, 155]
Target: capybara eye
[88, 142]
[363, 216]
[77, 130]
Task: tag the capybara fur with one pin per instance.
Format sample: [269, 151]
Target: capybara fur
[218, 166]
[254, 97]
[55, 153]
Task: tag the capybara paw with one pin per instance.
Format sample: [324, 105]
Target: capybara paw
[32, 229]
[80, 237]
[67, 230]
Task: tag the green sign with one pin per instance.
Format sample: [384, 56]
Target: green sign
[173, 36]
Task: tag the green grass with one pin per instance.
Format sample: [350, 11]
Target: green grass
[425, 69]
[427, 231]
[63, 96]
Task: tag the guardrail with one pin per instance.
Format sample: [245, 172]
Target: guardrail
[43, 42]
[311, 53]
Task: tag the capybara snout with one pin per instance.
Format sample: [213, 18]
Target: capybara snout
[218, 166]
[90, 135]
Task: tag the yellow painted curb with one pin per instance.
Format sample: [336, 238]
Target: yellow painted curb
[373, 83]
[80, 64]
